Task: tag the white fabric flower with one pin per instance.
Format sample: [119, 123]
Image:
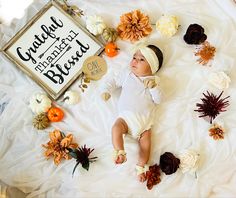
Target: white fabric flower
[189, 160]
[40, 103]
[71, 97]
[219, 80]
[95, 24]
[167, 25]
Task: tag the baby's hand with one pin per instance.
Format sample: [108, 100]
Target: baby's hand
[149, 83]
[106, 96]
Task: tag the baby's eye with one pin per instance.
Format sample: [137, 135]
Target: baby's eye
[134, 58]
[141, 59]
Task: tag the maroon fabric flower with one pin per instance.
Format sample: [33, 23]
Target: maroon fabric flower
[169, 163]
[195, 34]
[153, 176]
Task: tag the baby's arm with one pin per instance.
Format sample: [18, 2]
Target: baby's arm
[153, 84]
[112, 83]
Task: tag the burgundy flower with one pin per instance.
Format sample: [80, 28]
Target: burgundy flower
[195, 34]
[153, 176]
[212, 105]
[82, 157]
[169, 163]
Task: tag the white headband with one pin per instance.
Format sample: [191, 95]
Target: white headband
[149, 55]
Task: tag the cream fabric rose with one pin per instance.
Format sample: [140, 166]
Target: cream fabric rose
[95, 24]
[189, 160]
[219, 80]
[167, 25]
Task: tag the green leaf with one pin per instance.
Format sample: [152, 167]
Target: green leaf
[75, 168]
[86, 165]
[63, 134]
[73, 153]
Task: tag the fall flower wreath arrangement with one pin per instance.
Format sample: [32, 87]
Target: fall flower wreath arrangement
[132, 27]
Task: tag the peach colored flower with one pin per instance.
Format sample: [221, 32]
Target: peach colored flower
[58, 145]
[206, 52]
[216, 131]
[134, 26]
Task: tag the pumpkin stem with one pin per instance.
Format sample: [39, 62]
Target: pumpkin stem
[38, 101]
[66, 98]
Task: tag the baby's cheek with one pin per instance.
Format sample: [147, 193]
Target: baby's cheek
[147, 68]
[144, 66]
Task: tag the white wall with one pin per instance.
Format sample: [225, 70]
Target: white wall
[10, 9]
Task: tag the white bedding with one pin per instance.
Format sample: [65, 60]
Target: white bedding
[177, 127]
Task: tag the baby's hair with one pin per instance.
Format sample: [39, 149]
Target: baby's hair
[158, 53]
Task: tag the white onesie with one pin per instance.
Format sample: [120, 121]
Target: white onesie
[136, 104]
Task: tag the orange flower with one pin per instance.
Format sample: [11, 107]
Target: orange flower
[55, 136]
[134, 26]
[206, 53]
[67, 142]
[58, 145]
[217, 132]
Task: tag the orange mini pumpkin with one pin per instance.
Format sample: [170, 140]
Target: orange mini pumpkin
[55, 114]
[111, 49]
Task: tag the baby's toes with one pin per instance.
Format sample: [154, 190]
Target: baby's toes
[120, 159]
[142, 177]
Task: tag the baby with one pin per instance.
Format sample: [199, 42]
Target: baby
[139, 95]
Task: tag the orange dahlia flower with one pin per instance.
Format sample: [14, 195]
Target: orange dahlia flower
[134, 26]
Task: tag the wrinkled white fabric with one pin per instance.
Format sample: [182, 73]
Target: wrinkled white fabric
[176, 127]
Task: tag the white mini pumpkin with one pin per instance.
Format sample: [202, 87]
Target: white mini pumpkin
[95, 24]
[40, 103]
[71, 97]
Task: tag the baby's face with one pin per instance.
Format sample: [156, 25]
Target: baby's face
[139, 66]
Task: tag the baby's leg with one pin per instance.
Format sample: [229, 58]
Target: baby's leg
[119, 128]
[144, 151]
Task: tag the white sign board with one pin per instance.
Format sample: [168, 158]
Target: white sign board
[51, 49]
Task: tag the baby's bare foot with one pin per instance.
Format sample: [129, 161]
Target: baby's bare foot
[142, 177]
[120, 159]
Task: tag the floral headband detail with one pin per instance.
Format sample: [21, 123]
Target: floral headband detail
[149, 55]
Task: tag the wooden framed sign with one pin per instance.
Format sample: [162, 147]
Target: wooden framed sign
[51, 49]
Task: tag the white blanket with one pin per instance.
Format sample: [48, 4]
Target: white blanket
[177, 126]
